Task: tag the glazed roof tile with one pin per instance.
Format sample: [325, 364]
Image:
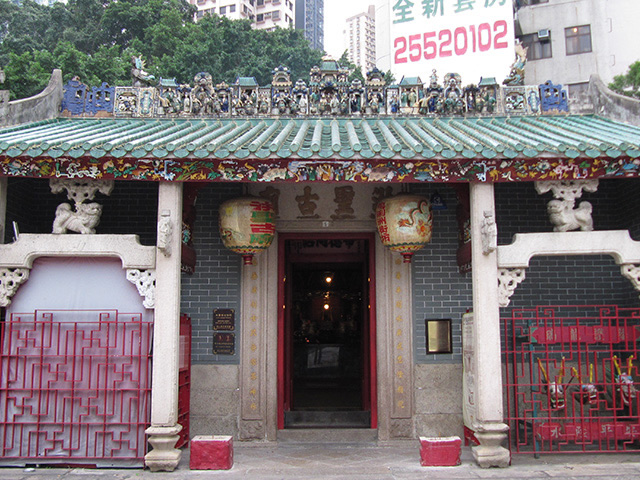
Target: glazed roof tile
[562, 136]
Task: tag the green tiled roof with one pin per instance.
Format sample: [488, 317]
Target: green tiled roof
[246, 82]
[566, 136]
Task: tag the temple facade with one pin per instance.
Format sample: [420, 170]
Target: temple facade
[132, 321]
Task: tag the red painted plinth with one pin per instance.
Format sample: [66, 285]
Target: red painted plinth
[211, 452]
[440, 451]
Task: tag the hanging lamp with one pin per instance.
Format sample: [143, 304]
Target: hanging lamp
[404, 223]
[247, 226]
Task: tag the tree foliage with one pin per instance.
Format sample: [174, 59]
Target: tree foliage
[95, 39]
[629, 83]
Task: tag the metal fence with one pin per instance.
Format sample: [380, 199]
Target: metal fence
[74, 387]
[570, 379]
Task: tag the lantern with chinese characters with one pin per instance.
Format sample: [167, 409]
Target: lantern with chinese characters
[247, 226]
[404, 223]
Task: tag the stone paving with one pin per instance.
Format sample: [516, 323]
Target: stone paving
[357, 462]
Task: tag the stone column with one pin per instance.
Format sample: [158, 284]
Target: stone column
[490, 429]
[164, 429]
[3, 207]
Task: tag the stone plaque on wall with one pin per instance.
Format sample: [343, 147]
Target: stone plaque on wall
[224, 319]
[224, 343]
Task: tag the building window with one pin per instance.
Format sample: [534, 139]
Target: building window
[578, 39]
[200, 14]
[223, 10]
[275, 15]
[538, 47]
[260, 3]
[232, 8]
[260, 18]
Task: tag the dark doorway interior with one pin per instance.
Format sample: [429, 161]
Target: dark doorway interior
[327, 329]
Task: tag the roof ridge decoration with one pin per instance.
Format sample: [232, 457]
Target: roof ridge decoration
[329, 93]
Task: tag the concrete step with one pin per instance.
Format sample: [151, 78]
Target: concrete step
[327, 419]
[328, 435]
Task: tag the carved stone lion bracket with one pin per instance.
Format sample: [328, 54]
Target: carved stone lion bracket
[85, 216]
[562, 212]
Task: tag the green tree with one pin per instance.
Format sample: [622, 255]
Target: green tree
[629, 83]
[95, 39]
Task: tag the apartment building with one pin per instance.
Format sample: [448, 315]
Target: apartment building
[360, 39]
[310, 18]
[569, 40]
[265, 14]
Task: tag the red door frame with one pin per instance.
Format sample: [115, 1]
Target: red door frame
[284, 353]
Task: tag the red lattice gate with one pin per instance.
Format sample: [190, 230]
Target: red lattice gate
[75, 387]
[571, 375]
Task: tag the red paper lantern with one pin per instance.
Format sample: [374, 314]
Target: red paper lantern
[404, 223]
[247, 226]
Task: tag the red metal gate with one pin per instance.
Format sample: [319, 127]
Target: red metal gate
[75, 387]
[570, 379]
[184, 380]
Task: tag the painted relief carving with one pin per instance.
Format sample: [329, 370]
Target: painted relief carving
[85, 216]
[562, 213]
[489, 232]
[307, 203]
[344, 200]
[10, 280]
[145, 282]
[508, 281]
[165, 233]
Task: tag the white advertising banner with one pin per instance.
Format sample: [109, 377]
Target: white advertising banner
[474, 38]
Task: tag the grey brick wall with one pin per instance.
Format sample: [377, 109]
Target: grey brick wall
[216, 281]
[439, 290]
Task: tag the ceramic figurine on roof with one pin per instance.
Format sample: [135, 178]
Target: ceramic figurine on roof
[281, 85]
[489, 88]
[432, 103]
[202, 95]
[375, 84]
[245, 98]
[516, 76]
[222, 100]
[300, 97]
[410, 89]
[453, 102]
[355, 96]
[139, 76]
[169, 99]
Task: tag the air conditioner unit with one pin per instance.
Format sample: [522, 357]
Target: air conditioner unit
[544, 34]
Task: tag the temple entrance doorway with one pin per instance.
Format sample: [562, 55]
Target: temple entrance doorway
[326, 338]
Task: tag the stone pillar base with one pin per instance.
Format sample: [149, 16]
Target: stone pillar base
[163, 457]
[490, 452]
